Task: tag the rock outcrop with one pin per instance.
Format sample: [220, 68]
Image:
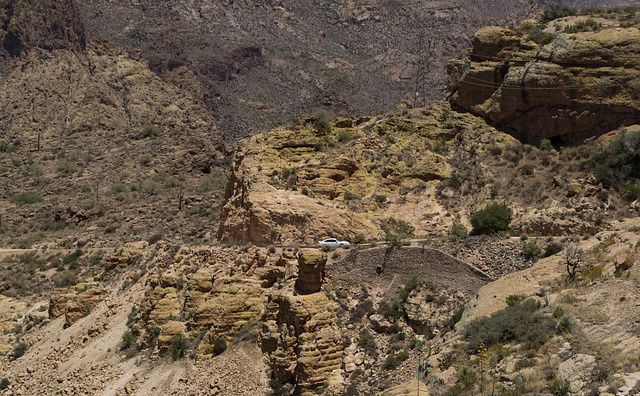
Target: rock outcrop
[48, 25]
[311, 265]
[301, 184]
[301, 340]
[569, 88]
[75, 302]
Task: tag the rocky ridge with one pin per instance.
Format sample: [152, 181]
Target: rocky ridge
[558, 84]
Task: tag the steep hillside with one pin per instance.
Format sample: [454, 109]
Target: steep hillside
[267, 62]
[94, 145]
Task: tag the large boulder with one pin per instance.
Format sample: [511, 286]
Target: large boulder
[311, 263]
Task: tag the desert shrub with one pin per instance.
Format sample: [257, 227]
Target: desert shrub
[514, 299]
[493, 218]
[26, 198]
[154, 238]
[631, 192]
[348, 195]
[118, 187]
[565, 324]
[151, 187]
[556, 11]
[558, 312]
[587, 25]
[178, 346]
[277, 388]
[345, 136]
[517, 323]
[398, 228]
[450, 323]
[212, 181]
[19, 350]
[458, 230]
[545, 144]
[531, 250]
[559, 388]
[552, 248]
[31, 262]
[380, 199]
[360, 310]
[72, 257]
[618, 161]
[366, 341]
[467, 376]
[145, 159]
[358, 239]
[322, 120]
[4, 383]
[67, 166]
[219, 346]
[64, 279]
[390, 363]
[148, 130]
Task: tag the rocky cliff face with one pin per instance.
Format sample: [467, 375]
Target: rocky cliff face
[568, 86]
[27, 25]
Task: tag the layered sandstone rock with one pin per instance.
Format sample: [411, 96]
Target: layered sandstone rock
[75, 302]
[577, 86]
[301, 340]
[311, 265]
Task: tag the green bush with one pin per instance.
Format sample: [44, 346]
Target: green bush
[545, 144]
[531, 250]
[67, 166]
[619, 161]
[345, 136]
[4, 383]
[219, 346]
[151, 187]
[64, 279]
[560, 388]
[148, 130]
[145, 159]
[552, 248]
[118, 187]
[212, 181]
[517, 323]
[514, 299]
[565, 324]
[19, 350]
[322, 120]
[390, 363]
[466, 376]
[178, 346]
[631, 192]
[458, 230]
[26, 198]
[555, 11]
[154, 238]
[493, 218]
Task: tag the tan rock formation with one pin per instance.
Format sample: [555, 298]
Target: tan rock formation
[301, 340]
[75, 302]
[124, 256]
[577, 86]
[311, 265]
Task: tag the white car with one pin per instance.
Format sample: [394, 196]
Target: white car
[333, 242]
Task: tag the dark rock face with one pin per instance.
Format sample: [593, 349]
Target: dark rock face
[44, 24]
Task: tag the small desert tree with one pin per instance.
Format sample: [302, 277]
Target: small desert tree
[573, 258]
